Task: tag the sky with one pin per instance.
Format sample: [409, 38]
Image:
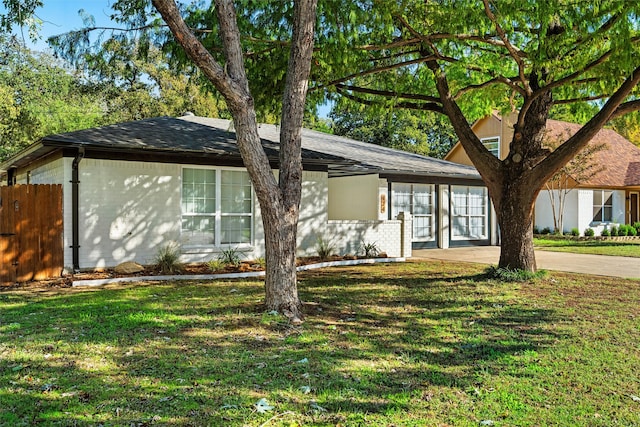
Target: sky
[61, 16]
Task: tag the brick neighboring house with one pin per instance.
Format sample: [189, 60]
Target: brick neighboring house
[604, 199]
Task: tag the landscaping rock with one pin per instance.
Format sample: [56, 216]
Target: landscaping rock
[129, 267]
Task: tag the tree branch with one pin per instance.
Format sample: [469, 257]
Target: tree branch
[513, 52]
[495, 80]
[626, 108]
[486, 163]
[614, 106]
[373, 71]
[427, 106]
[389, 94]
[198, 53]
[580, 72]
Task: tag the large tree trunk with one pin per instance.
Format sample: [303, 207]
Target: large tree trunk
[281, 292]
[281, 235]
[515, 219]
[279, 201]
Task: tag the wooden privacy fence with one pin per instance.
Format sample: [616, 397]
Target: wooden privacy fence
[31, 244]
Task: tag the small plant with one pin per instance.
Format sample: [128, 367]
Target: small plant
[631, 230]
[636, 225]
[230, 256]
[605, 233]
[623, 230]
[370, 250]
[513, 275]
[545, 231]
[614, 231]
[324, 247]
[261, 262]
[575, 232]
[167, 259]
[215, 265]
[588, 232]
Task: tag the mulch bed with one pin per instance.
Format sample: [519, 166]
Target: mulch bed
[152, 270]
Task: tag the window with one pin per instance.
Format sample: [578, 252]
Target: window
[418, 200]
[217, 207]
[602, 206]
[493, 145]
[469, 207]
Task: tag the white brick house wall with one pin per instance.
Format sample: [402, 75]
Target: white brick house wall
[129, 209]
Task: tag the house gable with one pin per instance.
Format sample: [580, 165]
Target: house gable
[620, 158]
[490, 127]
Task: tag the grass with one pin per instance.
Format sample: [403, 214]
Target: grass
[628, 248]
[416, 344]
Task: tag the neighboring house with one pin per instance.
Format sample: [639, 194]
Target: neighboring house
[608, 197]
[131, 188]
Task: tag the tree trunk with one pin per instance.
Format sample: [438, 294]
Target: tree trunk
[279, 202]
[281, 291]
[515, 219]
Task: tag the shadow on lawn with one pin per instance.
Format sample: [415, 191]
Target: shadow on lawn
[203, 354]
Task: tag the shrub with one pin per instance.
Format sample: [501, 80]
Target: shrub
[369, 250]
[631, 230]
[622, 230]
[324, 247]
[230, 256]
[605, 233]
[575, 232]
[589, 232]
[636, 225]
[614, 231]
[167, 259]
[545, 230]
[215, 265]
[513, 275]
[536, 230]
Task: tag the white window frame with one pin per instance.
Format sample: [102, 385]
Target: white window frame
[492, 140]
[402, 187]
[467, 216]
[218, 214]
[601, 207]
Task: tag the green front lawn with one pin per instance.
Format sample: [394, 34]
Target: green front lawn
[630, 248]
[415, 344]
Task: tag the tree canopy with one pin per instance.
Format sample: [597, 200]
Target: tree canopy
[467, 58]
[421, 132]
[39, 97]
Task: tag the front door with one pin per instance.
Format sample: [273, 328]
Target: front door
[633, 208]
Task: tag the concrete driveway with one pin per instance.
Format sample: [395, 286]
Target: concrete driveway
[614, 266]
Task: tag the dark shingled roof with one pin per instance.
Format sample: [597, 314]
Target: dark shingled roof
[191, 136]
[369, 158]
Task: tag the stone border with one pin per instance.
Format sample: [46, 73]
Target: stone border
[101, 282]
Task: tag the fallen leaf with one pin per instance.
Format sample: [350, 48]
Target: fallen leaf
[316, 407]
[229, 407]
[305, 389]
[263, 406]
